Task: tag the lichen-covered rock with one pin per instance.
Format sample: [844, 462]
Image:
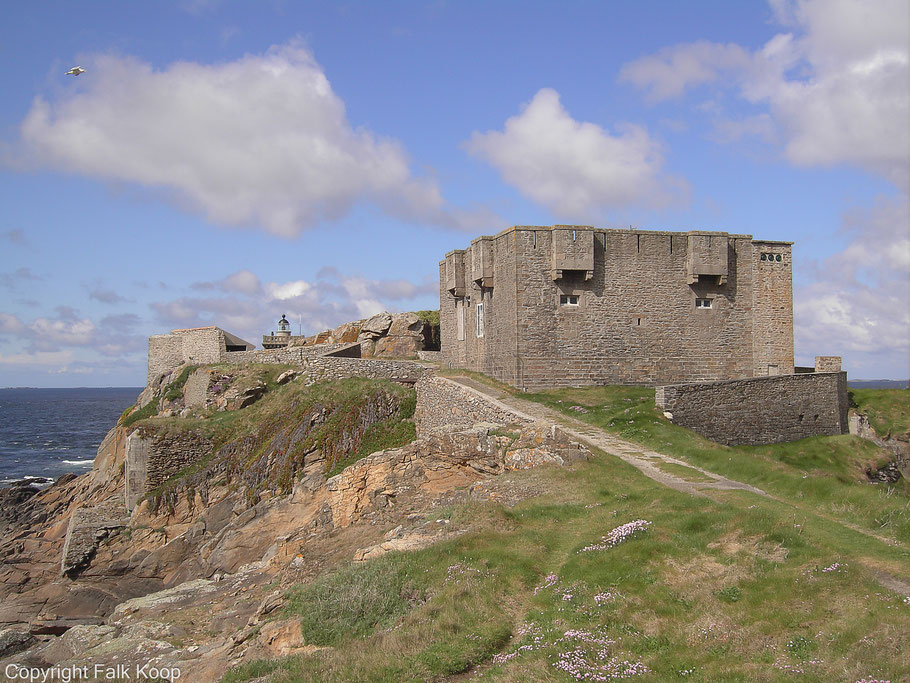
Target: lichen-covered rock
[442, 462]
[286, 377]
[376, 326]
[236, 398]
[13, 641]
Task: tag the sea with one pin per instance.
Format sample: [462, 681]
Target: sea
[46, 433]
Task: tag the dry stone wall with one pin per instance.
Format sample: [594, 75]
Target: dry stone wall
[446, 406]
[760, 410]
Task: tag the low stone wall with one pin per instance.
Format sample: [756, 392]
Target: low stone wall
[151, 459]
[760, 410]
[325, 367]
[446, 406]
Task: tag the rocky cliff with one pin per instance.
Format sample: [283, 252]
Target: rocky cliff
[219, 487]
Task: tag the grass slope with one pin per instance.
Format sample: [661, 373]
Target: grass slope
[254, 447]
[734, 588]
[888, 409]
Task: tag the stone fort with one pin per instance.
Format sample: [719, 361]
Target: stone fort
[571, 305]
[705, 317]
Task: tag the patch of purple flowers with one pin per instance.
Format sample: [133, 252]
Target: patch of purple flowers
[616, 536]
[549, 581]
[584, 665]
[837, 566]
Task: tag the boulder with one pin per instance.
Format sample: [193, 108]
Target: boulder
[367, 347]
[347, 333]
[287, 376]
[398, 347]
[237, 398]
[405, 324]
[376, 326]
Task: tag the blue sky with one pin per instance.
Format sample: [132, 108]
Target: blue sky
[226, 162]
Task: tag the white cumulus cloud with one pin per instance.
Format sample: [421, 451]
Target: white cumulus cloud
[857, 302]
[836, 86]
[575, 168]
[261, 141]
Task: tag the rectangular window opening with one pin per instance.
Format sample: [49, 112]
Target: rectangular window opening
[568, 299]
[703, 303]
[480, 320]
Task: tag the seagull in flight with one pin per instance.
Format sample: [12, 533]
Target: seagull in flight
[75, 71]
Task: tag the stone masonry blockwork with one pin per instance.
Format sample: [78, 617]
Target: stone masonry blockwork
[576, 305]
[444, 405]
[760, 410]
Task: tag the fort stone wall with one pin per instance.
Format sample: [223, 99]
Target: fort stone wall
[574, 305]
[198, 345]
[444, 406]
[760, 410]
[772, 308]
[165, 353]
[324, 368]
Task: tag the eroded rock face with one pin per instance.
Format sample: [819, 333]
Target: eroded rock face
[192, 583]
[443, 462]
[898, 445]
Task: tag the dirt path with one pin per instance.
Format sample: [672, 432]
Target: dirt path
[647, 461]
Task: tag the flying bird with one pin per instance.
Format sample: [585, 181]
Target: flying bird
[75, 71]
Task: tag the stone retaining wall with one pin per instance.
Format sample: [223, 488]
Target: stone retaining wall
[88, 527]
[321, 368]
[151, 459]
[760, 410]
[446, 406]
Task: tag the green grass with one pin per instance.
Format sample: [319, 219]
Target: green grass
[145, 412]
[175, 388]
[264, 446]
[681, 471]
[392, 433]
[888, 409]
[820, 474]
[356, 599]
[727, 590]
